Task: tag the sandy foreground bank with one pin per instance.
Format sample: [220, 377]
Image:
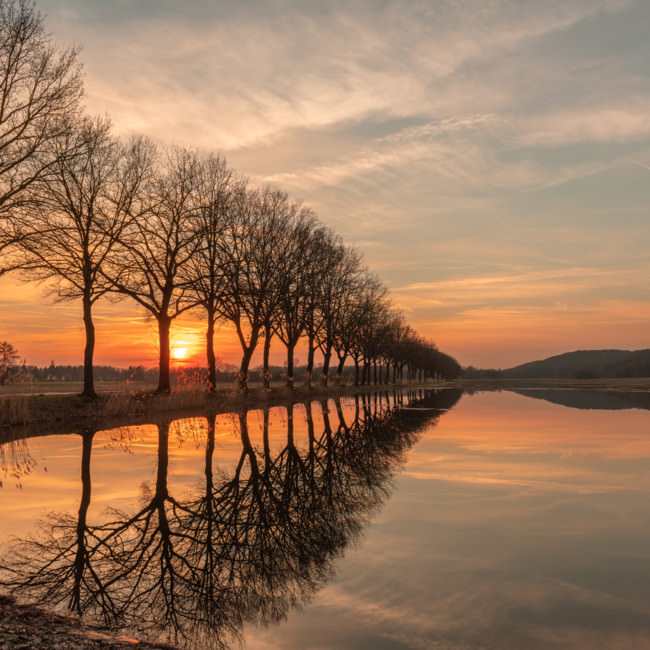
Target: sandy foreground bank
[26, 627]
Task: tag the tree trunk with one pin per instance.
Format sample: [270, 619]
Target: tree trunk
[89, 350]
[209, 453]
[243, 368]
[326, 365]
[266, 375]
[162, 491]
[339, 369]
[356, 372]
[290, 378]
[267, 442]
[80, 555]
[310, 361]
[339, 412]
[312, 441]
[247, 355]
[209, 348]
[290, 440]
[86, 449]
[164, 381]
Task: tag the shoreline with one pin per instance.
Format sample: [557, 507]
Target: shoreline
[64, 410]
[23, 625]
[623, 384]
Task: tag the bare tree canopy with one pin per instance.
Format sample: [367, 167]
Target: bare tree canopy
[255, 259]
[40, 89]
[8, 358]
[77, 215]
[217, 189]
[160, 240]
[296, 288]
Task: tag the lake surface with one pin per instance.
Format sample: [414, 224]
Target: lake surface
[421, 520]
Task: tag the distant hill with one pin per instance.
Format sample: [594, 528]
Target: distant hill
[581, 364]
[586, 364]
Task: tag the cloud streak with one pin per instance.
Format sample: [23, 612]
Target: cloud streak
[487, 158]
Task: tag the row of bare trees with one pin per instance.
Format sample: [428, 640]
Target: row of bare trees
[176, 230]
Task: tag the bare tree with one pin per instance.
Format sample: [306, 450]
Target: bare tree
[8, 358]
[294, 298]
[254, 260]
[349, 317]
[160, 240]
[77, 215]
[319, 251]
[8, 354]
[10, 236]
[397, 335]
[370, 306]
[40, 89]
[217, 189]
[284, 312]
[343, 266]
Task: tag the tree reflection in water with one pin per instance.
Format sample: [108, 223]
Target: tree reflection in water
[16, 461]
[245, 548]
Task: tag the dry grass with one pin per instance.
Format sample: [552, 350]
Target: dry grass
[70, 387]
[57, 408]
[14, 410]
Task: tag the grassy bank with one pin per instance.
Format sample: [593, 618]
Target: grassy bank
[71, 387]
[64, 409]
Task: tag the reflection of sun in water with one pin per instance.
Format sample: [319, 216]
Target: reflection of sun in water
[179, 352]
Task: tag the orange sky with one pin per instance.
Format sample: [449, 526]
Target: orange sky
[491, 165]
[488, 336]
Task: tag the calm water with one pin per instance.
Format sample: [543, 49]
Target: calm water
[496, 520]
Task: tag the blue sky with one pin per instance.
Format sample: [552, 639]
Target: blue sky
[491, 159]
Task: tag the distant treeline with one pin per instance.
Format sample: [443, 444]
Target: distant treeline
[53, 372]
[581, 364]
[228, 373]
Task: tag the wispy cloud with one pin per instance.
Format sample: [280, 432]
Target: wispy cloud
[234, 77]
[524, 278]
[605, 124]
[480, 154]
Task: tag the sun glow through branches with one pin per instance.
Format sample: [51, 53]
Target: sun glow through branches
[179, 353]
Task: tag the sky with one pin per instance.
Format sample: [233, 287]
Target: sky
[489, 158]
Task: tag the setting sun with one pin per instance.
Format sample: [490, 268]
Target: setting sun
[179, 353]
